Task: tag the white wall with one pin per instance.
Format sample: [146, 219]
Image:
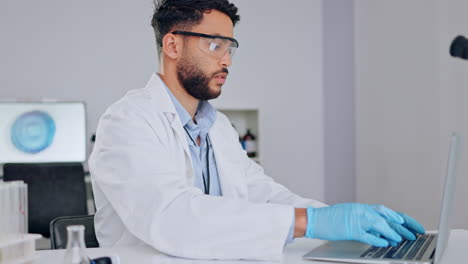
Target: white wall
[278, 70]
[339, 119]
[410, 94]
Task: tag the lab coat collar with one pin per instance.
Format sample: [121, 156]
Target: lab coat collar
[164, 105]
[156, 88]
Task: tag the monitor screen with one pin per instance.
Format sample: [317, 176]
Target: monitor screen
[42, 132]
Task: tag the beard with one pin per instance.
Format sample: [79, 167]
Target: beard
[195, 81]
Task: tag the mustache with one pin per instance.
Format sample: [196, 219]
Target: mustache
[224, 70]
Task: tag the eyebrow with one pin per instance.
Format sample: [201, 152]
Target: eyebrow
[218, 35]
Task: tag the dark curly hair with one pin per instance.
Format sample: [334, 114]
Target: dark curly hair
[184, 14]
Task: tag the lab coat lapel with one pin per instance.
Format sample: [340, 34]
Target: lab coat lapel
[164, 104]
[176, 125]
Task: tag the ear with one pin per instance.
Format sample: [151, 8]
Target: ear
[172, 46]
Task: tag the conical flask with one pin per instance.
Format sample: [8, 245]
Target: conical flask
[75, 253]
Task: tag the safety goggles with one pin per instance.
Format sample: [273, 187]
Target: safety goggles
[216, 46]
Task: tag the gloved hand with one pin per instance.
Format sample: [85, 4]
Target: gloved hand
[412, 225]
[408, 229]
[353, 221]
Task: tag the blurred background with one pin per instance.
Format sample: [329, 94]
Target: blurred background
[347, 100]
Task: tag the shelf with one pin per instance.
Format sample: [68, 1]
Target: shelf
[243, 119]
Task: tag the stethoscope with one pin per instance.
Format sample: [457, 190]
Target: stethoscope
[206, 183]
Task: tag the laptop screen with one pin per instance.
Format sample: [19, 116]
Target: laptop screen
[446, 212]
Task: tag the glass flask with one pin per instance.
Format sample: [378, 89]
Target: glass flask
[75, 252]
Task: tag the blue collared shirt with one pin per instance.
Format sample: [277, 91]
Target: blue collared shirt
[205, 118]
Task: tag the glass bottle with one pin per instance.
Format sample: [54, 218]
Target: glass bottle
[250, 144]
[75, 252]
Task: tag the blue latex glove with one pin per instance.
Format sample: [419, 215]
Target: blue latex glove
[412, 225]
[408, 229]
[352, 221]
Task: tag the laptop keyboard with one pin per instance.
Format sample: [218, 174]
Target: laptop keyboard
[407, 249]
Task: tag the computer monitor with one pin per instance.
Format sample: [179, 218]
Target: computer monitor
[32, 132]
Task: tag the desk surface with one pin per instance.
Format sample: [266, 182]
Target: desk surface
[292, 254]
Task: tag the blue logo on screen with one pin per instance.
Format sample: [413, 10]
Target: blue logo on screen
[32, 132]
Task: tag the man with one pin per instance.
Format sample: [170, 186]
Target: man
[168, 170]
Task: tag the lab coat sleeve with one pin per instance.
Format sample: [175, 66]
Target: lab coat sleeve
[136, 169]
[263, 189]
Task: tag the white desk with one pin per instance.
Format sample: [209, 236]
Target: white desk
[293, 253]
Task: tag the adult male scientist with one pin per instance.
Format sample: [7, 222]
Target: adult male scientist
[168, 170]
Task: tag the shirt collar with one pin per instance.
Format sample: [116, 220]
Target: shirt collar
[205, 115]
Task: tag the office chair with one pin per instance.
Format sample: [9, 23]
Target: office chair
[58, 230]
[54, 189]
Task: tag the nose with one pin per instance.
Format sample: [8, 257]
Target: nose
[226, 60]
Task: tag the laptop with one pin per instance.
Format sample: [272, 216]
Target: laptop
[427, 248]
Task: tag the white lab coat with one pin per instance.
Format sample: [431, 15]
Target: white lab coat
[144, 191]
